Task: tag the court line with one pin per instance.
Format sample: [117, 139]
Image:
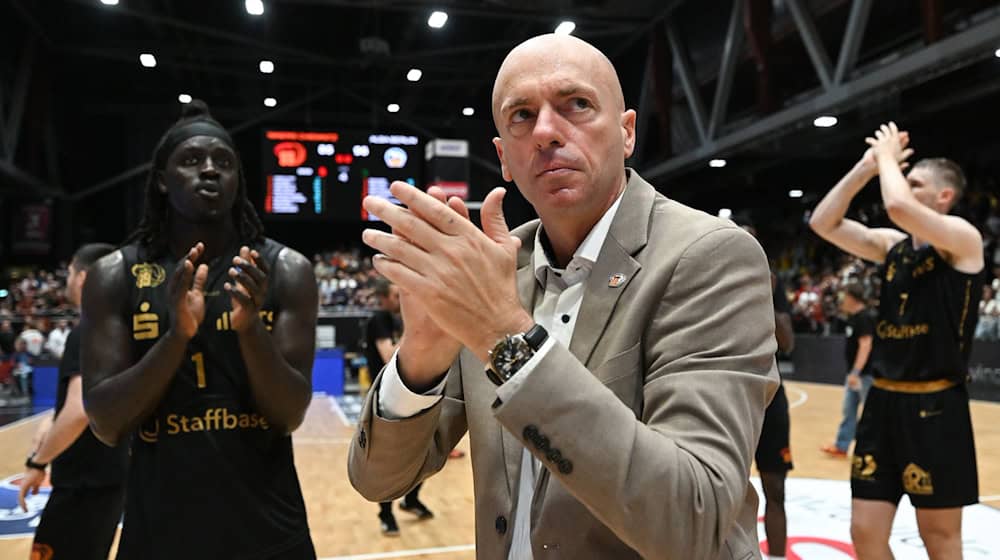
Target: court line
[405, 553]
[803, 397]
[17, 423]
[335, 407]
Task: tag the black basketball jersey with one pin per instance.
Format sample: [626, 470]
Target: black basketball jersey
[210, 477]
[927, 316]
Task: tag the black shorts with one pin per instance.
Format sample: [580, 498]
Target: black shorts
[774, 450]
[79, 523]
[916, 444]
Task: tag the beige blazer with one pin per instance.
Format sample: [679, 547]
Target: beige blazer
[646, 424]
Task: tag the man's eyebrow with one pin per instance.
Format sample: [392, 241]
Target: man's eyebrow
[516, 102]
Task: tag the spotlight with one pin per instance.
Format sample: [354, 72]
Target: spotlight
[437, 20]
[825, 121]
[414, 75]
[565, 28]
[266, 67]
[255, 7]
[270, 102]
[393, 108]
[468, 111]
[717, 163]
[147, 60]
[184, 98]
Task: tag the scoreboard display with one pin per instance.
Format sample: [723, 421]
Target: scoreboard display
[325, 175]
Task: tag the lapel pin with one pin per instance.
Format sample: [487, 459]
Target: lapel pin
[616, 280]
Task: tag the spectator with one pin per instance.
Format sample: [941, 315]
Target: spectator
[56, 341]
[988, 327]
[7, 337]
[33, 338]
[22, 367]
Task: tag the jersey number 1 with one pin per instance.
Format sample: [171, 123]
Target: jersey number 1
[199, 368]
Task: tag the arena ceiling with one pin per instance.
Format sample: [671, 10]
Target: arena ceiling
[737, 80]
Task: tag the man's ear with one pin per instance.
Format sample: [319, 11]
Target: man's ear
[160, 184]
[628, 132]
[498, 144]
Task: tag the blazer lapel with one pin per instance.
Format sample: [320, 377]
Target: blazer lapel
[615, 268]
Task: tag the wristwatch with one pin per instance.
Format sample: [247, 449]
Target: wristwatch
[512, 352]
[31, 464]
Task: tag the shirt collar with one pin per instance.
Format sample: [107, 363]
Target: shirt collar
[585, 255]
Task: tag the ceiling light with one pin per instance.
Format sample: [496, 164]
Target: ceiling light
[468, 111]
[825, 121]
[255, 7]
[997, 53]
[717, 163]
[109, 2]
[266, 67]
[725, 213]
[437, 20]
[270, 102]
[184, 98]
[147, 60]
[414, 75]
[795, 193]
[393, 108]
[565, 28]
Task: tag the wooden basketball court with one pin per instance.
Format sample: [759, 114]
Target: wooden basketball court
[345, 526]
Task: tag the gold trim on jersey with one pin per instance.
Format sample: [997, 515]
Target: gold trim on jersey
[914, 387]
[145, 326]
[965, 314]
[885, 329]
[917, 481]
[148, 275]
[924, 267]
[863, 468]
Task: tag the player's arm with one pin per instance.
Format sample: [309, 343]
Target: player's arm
[67, 426]
[118, 392]
[864, 351]
[783, 332]
[279, 363]
[828, 219]
[950, 234]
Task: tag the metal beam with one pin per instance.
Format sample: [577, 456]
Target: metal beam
[730, 54]
[813, 43]
[682, 62]
[28, 182]
[19, 95]
[857, 22]
[949, 54]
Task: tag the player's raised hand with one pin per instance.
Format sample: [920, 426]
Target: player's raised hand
[249, 289]
[187, 292]
[890, 142]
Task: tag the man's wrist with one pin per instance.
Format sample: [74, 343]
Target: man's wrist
[854, 372]
[518, 323]
[32, 464]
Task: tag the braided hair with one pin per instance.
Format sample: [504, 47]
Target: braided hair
[152, 231]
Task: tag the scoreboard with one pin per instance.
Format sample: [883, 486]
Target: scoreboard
[324, 175]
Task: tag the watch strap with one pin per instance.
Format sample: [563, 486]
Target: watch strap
[31, 464]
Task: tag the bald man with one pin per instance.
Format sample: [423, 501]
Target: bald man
[611, 361]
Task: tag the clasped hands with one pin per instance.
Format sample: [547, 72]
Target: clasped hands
[247, 291]
[890, 143]
[458, 283]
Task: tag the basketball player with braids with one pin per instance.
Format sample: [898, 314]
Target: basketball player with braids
[915, 435]
[198, 339]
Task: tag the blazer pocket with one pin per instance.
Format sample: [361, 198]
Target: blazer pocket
[622, 373]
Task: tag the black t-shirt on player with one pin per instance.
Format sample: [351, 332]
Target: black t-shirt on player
[87, 463]
[382, 324]
[860, 324]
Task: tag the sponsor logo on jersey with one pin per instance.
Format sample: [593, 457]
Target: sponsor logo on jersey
[145, 325]
[213, 420]
[14, 521]
[148, 275]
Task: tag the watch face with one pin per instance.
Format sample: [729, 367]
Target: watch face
[509, 355]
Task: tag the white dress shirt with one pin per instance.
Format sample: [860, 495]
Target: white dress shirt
[556, 312]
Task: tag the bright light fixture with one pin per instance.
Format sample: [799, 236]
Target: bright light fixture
[184, 98]
[255, 7]
[717, 163]
[437, 20]
[997, 53]
[393, 108]
[795, 193]
[468, 111]
[270, 102]
[825, 121]
[266, 67]
[414, 75]
[147, 60]
[725, 213]
[565, 28]
[109, 2]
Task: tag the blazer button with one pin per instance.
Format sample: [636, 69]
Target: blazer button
[542, 443]
[530, 432]
[362, 439]
[501, 524]
[565, 466]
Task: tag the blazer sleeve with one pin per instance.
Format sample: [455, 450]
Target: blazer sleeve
[674, 479]
[388, 458]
